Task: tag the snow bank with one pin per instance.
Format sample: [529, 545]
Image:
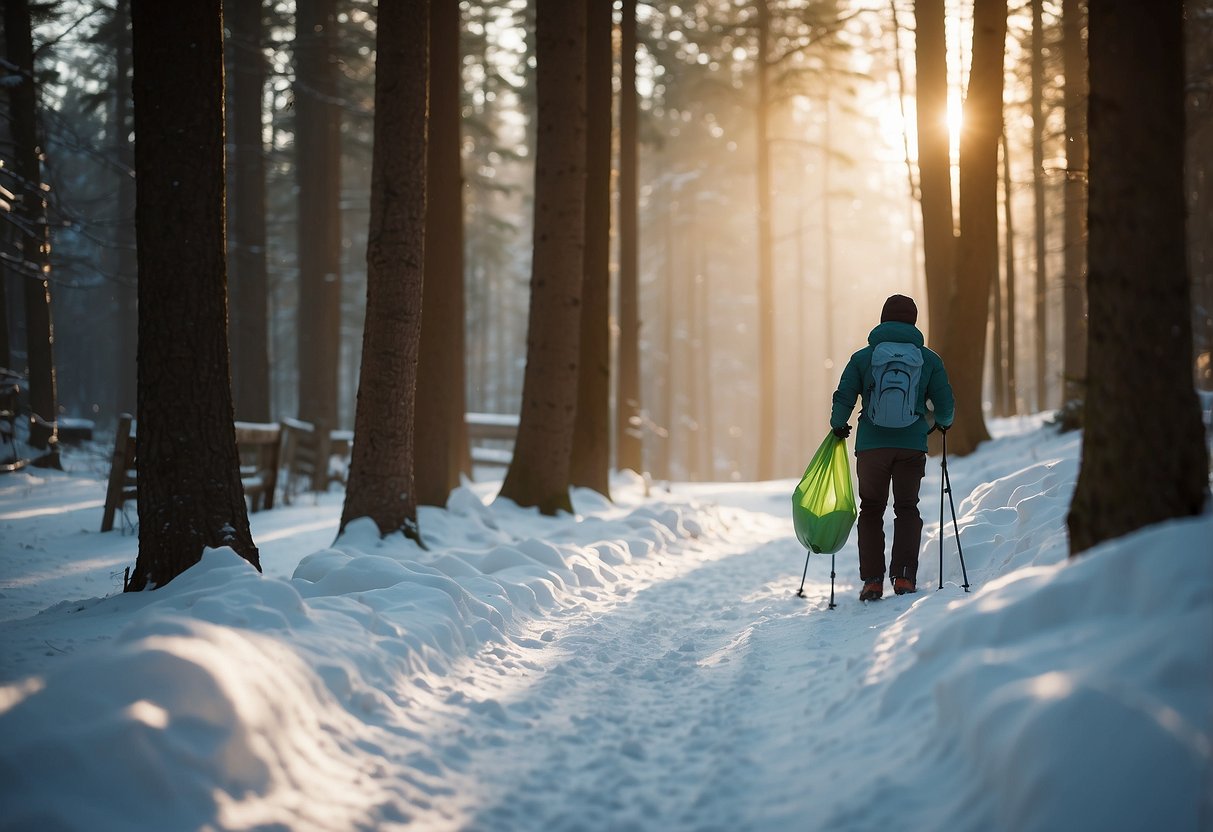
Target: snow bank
[234, 699]
[637, 654]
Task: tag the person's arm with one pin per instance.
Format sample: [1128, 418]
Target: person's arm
[849, 388]
[939, 391]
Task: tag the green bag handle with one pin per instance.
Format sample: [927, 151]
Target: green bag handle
[823, 504]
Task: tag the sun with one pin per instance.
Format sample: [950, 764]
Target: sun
[955, 122]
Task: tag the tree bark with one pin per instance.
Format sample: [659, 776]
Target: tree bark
[628, 433]
[539, 473]
[1198, 54]
[977, 252]
[1075, 287]
[190, 495]
[1040, 240]
[30, 212]
[766, 276]
[318, 171]
[441, 445]
[381, 466]
[591, 460]
[1144, 458]
[1011, 378]
[934, 164]
[250, 292]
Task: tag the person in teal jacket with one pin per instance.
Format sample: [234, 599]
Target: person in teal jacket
[891, 455]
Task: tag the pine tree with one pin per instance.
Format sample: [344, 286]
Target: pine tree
[381, 468]
[977, 250]
[539, 474]
[441, 445]
[250, 283]
[190, 495]
[30, 213]
[1143, 453]
[591, 460]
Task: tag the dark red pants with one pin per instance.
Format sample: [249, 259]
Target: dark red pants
[904, 469]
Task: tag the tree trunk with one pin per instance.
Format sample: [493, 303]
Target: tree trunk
[1143, 458]
[381, 466]
[998, 360]
[35, 237]
[934, 163]
[691, 346]
[539, 473]
[591, 460]
[1198, 53]
[703, 328]
[250, 294]
[441, 445]
[190, 496]
[1011, 378]
[977, 252]
[1040, 238]
[318, 170]
[766, 276]
[1075, 297]
[665, 435]
[628, 433]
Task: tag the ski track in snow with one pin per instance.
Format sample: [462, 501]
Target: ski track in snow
[660, 711]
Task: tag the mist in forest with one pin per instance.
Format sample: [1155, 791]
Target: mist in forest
[845, 228]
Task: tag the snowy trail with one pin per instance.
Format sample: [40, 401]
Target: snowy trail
[643, 664]
[666, 710]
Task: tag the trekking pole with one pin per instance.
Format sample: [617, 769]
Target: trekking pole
[807, 554]
[943, 485]
[947, 488]
[800, 592]
[832, 604]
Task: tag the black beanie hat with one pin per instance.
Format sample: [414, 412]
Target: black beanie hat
[899, 308]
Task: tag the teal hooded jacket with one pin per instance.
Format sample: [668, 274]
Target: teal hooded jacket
[857, 382]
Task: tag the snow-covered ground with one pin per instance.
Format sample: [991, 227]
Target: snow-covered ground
[641, 665]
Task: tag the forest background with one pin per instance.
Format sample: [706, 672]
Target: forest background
[783, 192]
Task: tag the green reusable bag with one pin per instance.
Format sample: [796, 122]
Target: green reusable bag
[823, 505]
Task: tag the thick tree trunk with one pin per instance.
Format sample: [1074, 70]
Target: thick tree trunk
[539, 473]
[35, 237]
[1144, 458]
[977, 252]
[381, 467]
[1040, 238]
[998, 360]
[190, 496]
[250, 290]
[628, 433]
[1198, 35]
[1075, 295]
[441, 445]
[318, 170]
[934, 163]
[591, 460]
[766, 269]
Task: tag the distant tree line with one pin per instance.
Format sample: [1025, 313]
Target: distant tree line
[378, 129]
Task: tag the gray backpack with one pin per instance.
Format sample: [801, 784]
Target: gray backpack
[896, 372]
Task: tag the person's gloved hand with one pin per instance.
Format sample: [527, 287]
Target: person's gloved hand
[842, 432]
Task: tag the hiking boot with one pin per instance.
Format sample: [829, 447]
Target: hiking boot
[872, 590]
[904, 586]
